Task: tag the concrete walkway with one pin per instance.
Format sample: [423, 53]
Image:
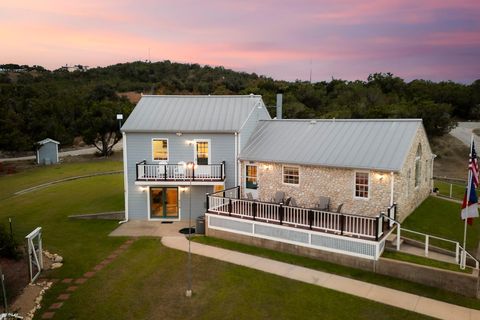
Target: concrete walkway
[396, 298]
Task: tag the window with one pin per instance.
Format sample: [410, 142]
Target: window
[418, 166]
[160, 149]
[202, 152]
[291, 175]
[251, 176]
[361, 184]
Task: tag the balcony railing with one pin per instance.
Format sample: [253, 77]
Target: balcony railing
[180, 172]
[228, 203]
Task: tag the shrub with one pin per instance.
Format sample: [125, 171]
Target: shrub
[8, 245]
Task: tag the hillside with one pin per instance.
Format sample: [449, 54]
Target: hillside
[36, 103]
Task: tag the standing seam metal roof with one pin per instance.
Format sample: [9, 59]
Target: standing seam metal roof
[191, 113]
[380, 144]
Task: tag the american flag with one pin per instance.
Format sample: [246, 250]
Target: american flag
[470, 207]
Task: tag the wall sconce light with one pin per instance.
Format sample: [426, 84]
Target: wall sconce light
[380, 177]
[179, 134]
[183, 189]
[267, 167]
[143, 189]
[189, 142]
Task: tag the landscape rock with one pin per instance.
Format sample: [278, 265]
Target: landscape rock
[56, 265]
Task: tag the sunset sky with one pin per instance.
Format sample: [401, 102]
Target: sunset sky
[347, 39]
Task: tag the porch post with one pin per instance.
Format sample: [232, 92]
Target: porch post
[136, 167]
[238, 192]
[342, 222]
[207, 201]
[165, 172]
[254, 209]
[280, 213]
[377, 220]
[193, 172]
[230, 206]
[310, 218]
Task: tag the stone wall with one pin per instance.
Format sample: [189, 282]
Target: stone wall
[339, 184]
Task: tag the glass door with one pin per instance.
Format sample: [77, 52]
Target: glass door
[163, 202]
[251, 185]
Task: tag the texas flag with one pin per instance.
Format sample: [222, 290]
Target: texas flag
[470, 207]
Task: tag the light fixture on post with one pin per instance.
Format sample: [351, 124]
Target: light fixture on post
[119, 118]
[188, 293]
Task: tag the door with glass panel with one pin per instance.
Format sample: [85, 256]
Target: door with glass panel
[202, 159]
[163, 202]
[251, 185]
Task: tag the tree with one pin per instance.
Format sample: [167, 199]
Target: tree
[99, 125]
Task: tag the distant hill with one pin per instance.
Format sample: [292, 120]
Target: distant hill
[36, 103]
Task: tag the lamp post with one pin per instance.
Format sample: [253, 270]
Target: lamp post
[188, 292]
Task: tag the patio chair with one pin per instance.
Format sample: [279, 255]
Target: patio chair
[293, 202]
[279, 197]
[249, 196]
[323, 203]
[339, 208]
[287, 201]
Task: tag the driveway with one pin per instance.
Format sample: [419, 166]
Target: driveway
[61, 154]
[464, 130]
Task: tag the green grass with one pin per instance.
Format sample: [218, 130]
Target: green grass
[390, 282]
[424, 261]
[83, 243]
[444, 189]
[441, 218]
[149, 282]
[32, 177]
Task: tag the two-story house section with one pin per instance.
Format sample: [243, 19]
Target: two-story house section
[174, 145]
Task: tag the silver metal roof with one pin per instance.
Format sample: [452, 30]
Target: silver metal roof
[361, 144]
[47, 140]
[191, 113]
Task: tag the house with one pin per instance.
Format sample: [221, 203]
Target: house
[179, 148]
[47, 151]
[232, 161]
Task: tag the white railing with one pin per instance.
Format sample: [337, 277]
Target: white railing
[457, 252]
[180, 172]
[343, 224]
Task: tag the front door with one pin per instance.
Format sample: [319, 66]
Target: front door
[251, 185]
[164, 203]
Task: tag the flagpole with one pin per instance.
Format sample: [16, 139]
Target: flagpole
[463, 263]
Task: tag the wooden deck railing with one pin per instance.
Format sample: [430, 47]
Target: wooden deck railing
[180, 172]
[228, 203]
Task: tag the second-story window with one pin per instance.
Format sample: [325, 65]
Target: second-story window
[202, 152]
[160, 149]
[361, 185]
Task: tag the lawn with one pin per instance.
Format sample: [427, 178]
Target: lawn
[441, 218]
[458, 190]
[148, 280]
[221, 291]
[386, 281]
[10, 184]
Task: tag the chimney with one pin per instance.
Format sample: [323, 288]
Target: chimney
[279, 105]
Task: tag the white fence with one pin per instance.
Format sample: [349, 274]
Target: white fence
[351, 246]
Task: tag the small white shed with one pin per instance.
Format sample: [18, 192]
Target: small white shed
[47, 151]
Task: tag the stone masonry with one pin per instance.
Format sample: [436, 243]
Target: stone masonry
[339, 184]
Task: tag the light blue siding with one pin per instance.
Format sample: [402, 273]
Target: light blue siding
[259, 113]
[48, 153]
[139, 148]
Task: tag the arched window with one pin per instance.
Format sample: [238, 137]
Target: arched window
[418, 166]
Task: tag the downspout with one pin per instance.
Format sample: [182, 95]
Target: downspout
[236, 158]
[125, 176]
[391, 187]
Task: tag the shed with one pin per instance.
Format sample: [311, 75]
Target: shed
[47, 151]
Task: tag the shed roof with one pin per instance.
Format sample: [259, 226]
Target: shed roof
[361, 144]
[47, 140]
[193, 113]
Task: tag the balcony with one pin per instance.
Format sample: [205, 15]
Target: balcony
[180, 172]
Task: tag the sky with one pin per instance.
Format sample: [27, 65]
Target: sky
[286, 40]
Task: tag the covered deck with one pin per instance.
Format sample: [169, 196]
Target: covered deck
[179, 172]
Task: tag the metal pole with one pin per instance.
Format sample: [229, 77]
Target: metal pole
[188, 293]
[4, 292]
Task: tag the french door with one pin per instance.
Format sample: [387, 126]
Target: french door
[163, 202]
